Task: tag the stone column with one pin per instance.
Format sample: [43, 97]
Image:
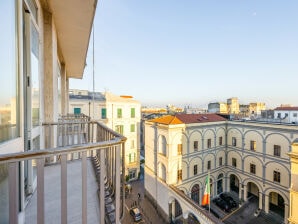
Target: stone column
[260, 200]
[286, 213]
[266, 203]
[244, 192]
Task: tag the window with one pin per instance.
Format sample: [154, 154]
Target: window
[132, 144]
[103, 113]
[179, 174]
[279, 115]
[276, 149]
[179, 149]
[119, 129]
[253, 168]
[132, 128]
[294, 114]
[234, 141]
[234, 162]
[119, 113]
[220, 161]
[195, 145]
[209, 165]
[195, 169]
[276, 176]
[209, 143]
[131, 157]
[76, 110]
[220, 141]
[253, 145]
[132, 112]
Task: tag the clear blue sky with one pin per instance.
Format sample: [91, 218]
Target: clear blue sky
[191, 52]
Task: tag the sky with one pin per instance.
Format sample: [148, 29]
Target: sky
[193, 52]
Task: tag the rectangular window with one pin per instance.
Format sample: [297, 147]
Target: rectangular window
[131, 157]
[279, 115]
[132, 112]
[234, 162]
[103, 113]
[209, 165]
[276, 176]
[234, 141]
[276, 149]
[179, 149]
[119, 113]
[294, 114]
[253, 145]
[119, 129]
[220, 161]
[132, 144]
[220, 141]
[76, 110]
[195, 145]
[179, 174]
[195, 169]
[253, 168]
[132, 128]
[209, 143]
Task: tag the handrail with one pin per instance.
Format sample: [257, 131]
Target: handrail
[13, 157]
[207, 216]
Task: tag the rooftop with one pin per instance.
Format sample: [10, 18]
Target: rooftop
[286, 108]
[188, 118]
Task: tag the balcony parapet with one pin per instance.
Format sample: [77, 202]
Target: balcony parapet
[71, 135]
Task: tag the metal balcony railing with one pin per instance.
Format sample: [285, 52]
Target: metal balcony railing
[73, 137]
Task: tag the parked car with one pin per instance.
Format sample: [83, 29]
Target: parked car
[231, 202]
[222, 204]
[136, 214]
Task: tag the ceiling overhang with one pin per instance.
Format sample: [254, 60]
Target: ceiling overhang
[73, 20]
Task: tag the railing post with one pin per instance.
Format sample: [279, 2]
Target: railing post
[84, 187]
[64, 189]
[102, 185]
[40, 190]
[118, 187]
[13, 192]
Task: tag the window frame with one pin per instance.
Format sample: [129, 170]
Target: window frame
[195, 145]
[179, 149]
[209, 165]
[209, 143]
[253, 145]
[276, 176]
[195, 169]
[276, 148]
[252, 168]
[234, 162]
[234, 141]
[220, 142]
[119, 112]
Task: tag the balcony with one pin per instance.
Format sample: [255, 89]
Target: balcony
[82, 160]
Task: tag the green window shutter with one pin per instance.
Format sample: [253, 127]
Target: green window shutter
[77, 110]
[132, 128]
[119, 113]
[103, 113]
[132, 112]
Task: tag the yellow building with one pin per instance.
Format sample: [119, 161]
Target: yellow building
[248, 159]
[293, 217]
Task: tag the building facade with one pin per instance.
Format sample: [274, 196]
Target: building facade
[218, 108]
[286, 114]
[120, 113]
[248, 158]
[44, 43]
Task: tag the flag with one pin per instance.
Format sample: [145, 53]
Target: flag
[206, 196]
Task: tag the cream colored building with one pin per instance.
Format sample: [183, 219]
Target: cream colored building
[293, 216]
[218, 108]
[233, 105]
[248, 158]
[256, 108]
[120, 113]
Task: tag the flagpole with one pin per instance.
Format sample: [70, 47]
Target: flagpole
[209, 188]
